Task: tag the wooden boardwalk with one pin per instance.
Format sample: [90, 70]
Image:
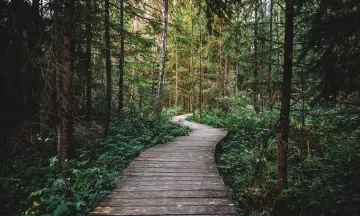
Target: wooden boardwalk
[176, 178]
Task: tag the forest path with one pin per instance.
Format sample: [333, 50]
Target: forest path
[176, 178]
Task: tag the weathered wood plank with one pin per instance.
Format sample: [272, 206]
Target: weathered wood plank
[170, 187]
[169, 194]
[165, 202]
[175, 182]
[164, 210]
[169, 178]
[172, 165]
[168, 174]
[172, 170]
[206, 215]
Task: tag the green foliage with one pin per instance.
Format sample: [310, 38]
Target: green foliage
[178, 110]
[334, 55]
[33, 180]
[327, 185]
[323, 160]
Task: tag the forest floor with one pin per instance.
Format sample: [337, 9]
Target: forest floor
[179, 177]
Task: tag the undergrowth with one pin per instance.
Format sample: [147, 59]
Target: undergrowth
[324, 158]
[33, 186]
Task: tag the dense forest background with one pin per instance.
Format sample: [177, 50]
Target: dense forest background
[88, 85]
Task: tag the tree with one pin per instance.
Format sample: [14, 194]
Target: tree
[221, 63]
[160, 91]
[192, 98]
[256, 60]
[270, 49]
[200, 64]
[108, 69]
[66, 149]
[285, 99]
[88, 76]
[121, 59]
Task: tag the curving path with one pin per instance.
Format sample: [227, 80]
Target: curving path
[176, 178]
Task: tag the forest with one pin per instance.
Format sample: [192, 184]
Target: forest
[86, 86]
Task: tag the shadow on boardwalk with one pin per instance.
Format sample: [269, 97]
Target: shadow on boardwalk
[176, 178]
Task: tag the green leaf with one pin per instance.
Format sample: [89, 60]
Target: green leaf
[79, 204]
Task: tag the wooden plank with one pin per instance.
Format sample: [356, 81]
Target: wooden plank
[173, 166]
[176, 153]
[189, 147]
[168, 174]
[175, 182]
[172, 170]
[185, 187]
[229, 214]
[164, 210]
[173, 163]
[165, 202]
[168, 194]
[169, 178]
[190, 153]
[183, 147]
[169, 159]
[167, 151]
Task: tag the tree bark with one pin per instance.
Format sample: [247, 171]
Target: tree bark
[88, 79]
[160, 92]
[270, 52]
[108, 69]
[239, 76]
[221, 70]
[66, 148]
[200, 65]
[256, 54]
[226, 73]
[121, 60]
[176, 78]
[58, 79]
[285, 100]
[192, 97]
[221, 66]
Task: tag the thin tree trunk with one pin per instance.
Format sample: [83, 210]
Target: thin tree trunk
[262, 29]
[285, 100]
[256, 54]
[192, 67]
[239, 77]
[58, 79]
[270, 52]
[160, 93]
[88, 62]
[200, 65]
[176, 78]
[226, 72]
[121, 59]
[66, 148]
[108, 69]
[220, 66]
